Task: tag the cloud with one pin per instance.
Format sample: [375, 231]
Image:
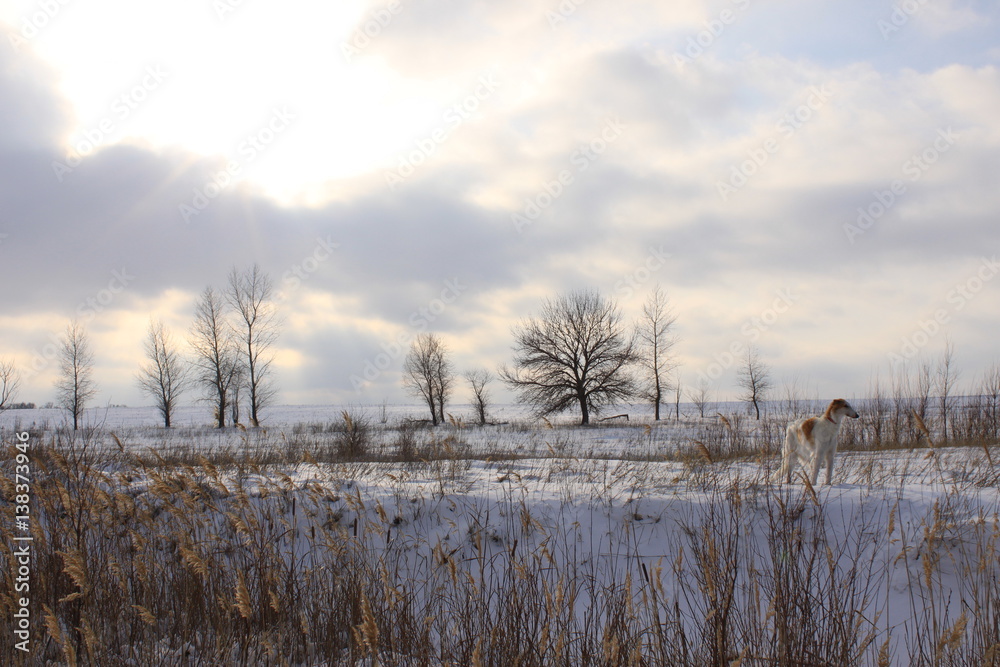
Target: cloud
[611, 149]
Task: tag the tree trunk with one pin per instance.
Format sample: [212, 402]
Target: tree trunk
[584, 411]
[220, 412]
[434, 416]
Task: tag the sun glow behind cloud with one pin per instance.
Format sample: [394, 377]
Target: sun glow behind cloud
[184, 77]
[174, 92]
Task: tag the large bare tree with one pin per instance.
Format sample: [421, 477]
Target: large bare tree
[164, 376]
[427, 373]
[256, 330]
[10, 381]
[75, 385]
[216, 362]
[754, 378]
[577, 352]
[655, 336]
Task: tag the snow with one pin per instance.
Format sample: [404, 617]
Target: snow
[909, 533]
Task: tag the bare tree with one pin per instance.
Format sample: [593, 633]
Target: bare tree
[792, 390]
[75, 385]
[164, 377]
[427, 373]
[10, 381]
[990, 392]
[655, 341]
[577, 352]
[678, 392]
[945, 379]
[754, 378]
[444, 379]
[215, 354]
[478, 381]
[256, 330]
[923, 389]
[700, 396]
[236, 391]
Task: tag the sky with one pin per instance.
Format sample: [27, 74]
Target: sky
[817, 179]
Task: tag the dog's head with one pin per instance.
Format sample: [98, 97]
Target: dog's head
[842, 407]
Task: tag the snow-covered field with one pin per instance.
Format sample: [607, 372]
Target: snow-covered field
[508, 544]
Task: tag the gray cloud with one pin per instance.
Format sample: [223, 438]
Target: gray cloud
[72, 234]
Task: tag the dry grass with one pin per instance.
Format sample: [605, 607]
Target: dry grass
[351, 544]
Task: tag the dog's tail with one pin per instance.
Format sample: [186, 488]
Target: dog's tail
[787, 456]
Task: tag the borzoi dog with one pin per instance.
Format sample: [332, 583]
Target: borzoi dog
[813, 440]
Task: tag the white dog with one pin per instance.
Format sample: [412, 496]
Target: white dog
[813, 440]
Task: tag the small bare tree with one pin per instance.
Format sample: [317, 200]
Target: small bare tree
[427, 373]
[678, 392]
[215, 355]
[577, 352]
[75, 386]
[235, 393]
[700, 396]
[164, 376]
[754, 378]
[10, 382]
[256, 330]
[945, 379]
[990, 392]
[478, 381]
[655, 338]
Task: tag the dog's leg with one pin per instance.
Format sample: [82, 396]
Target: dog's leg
[815, 464]
[829, 466]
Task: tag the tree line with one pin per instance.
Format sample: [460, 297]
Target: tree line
[579, 353]
[231, 339]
